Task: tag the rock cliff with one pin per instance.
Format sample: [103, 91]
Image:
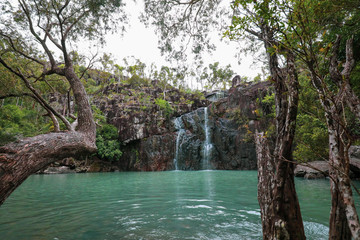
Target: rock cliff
[154, 147]
[154, 139]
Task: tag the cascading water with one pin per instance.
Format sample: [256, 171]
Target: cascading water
[181, 131]
[207, 148]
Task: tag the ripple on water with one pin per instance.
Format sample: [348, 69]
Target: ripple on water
[152, 206]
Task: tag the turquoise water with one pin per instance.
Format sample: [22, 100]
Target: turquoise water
[150, 205]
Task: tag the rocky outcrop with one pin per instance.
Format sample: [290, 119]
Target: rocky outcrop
[133, 109]
[87, 165]
[58, 170]
[320, 169]
[150, 137]
[230, 121]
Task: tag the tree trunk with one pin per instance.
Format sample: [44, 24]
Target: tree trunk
[338, 225]
[344, 221]
[279, 205]
[20, 159]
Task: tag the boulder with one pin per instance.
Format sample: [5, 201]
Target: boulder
[323, 166]
[312, 173]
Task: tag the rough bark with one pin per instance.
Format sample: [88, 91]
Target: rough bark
[338, 224]
[344, 221]
[279, 205]
[20, 159]
[266, 170]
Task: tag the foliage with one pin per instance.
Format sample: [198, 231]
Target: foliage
[189, 22]
[19, 121]
[136, 81]
[107, 143]
[164, 106]
[216, 76]
[311, 139]
[267, 104]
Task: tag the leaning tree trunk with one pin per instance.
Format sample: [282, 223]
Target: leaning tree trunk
[279, 205]
[20, 159]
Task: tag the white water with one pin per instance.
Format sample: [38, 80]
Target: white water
[181, 132]
[207, 148]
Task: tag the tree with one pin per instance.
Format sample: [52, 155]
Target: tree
[216, 76]
[311, 35]
[190, 22]
[280, 209]
[32, 33]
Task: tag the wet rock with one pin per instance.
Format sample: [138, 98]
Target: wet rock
[312, 173]
[58, 170]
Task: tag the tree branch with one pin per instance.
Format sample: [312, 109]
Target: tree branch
[38, 96]
[32, 30]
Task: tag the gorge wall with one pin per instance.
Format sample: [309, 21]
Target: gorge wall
[196, 134]
[179, 142]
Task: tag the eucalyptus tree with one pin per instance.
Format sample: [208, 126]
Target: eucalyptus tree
[40, 34]
[306, 29]
[279, 205]
[215, 76]
[314, 35]
[186, 27]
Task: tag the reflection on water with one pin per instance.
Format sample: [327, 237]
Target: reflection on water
[160, 205]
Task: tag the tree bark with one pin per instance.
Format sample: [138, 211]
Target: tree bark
[344, 221]
[338, 224]
[279, 205]
[20, 159]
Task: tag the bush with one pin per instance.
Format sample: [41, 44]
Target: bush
[17, 122]
[107, 143]
[164, 106]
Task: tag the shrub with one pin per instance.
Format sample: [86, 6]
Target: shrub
[107, 143]
[164, 106]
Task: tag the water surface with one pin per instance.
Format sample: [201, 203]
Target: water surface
[150, 205]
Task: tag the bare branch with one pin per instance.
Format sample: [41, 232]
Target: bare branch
[18, 95]
[32, 30]
[12, 44]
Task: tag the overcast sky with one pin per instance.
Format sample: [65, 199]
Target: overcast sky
[141, 43]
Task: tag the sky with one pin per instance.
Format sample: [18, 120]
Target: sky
[142, 43]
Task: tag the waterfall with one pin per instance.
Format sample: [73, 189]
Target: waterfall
[180, 133]
[207, 144]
